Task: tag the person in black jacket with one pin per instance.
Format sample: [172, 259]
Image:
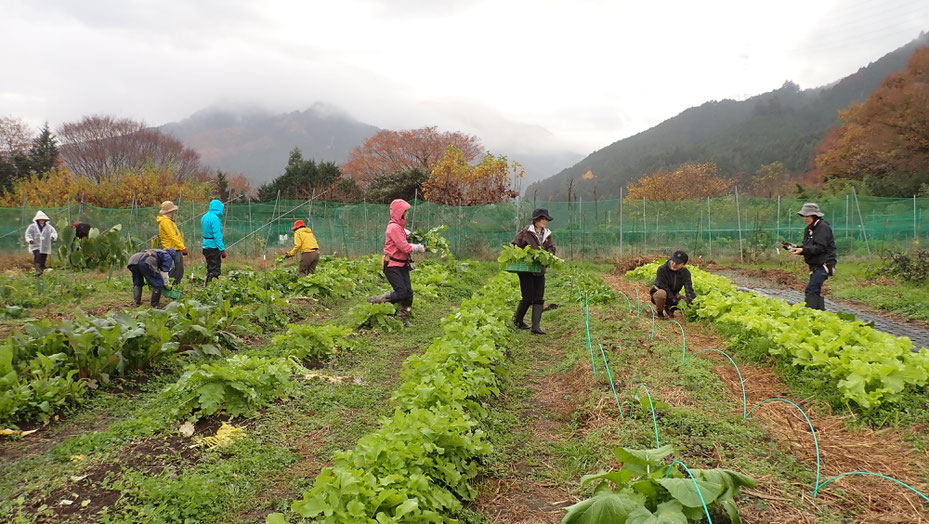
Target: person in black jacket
[818, 252]
[532, 285]
[669, 279]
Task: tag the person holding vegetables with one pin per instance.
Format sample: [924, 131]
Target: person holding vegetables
[304, 243]
[669, 279]
[818, 252]
[214, 249]
[151, 265]
[532, 285]
[396, 261]
[171, 238]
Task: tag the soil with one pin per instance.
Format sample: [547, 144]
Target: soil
[841, 450]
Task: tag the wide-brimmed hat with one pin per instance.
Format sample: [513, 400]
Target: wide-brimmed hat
[40, 215]
[679, 257]
[810, 209]
[167, 206]
[298, 224]
[541, 213]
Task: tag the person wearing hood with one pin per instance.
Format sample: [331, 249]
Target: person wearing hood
[39, 237]
[305, 244]
[151, 265]
[532, 285]
[818, 252]
[214, 250]
[170, 237]
[396, 261]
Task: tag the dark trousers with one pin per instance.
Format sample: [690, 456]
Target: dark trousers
[818, 277]
[308, 261]
[399, 278]
[177, 272]
[39, 259]
[214, 263]
[532, 288]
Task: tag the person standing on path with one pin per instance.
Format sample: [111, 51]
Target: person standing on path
[39, 237]
[305, 243]
[214, 250]
[532, 285]
[397, 262]
[171, 238]
[818, 252]
[670, 278]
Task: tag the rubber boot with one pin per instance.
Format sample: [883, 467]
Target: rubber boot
[537, 318]
[38, 269]
[137, 295]
[822, 303]
[520, 314]
[156, 297]
[404, 314]
[380, 299]
[812, 301]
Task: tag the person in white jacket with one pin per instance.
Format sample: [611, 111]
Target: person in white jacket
[39, 237]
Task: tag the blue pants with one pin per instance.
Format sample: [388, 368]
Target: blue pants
[817, 278]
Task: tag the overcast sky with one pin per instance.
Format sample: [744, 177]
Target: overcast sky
[589, 72]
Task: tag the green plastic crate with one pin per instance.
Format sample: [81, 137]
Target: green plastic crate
[172, 293]
[516, 267]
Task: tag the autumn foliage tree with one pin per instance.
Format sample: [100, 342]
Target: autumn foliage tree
[688, 182]
[102, 146]
[395, 151]
[454, 181]
[884, 140]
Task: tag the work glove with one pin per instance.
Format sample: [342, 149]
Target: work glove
[184, 251]
[223, 254]
[419, 248]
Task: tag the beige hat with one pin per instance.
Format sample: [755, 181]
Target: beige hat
[40, 216]
[810, 210]
[166, 207]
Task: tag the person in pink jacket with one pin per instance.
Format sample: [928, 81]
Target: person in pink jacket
[397, 251]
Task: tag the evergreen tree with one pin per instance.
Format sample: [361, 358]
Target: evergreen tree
[222, 187]
[302, 179]
[43, 155]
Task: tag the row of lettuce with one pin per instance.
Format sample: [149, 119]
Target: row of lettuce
[869, 367]
[51, 365]
[418, 465]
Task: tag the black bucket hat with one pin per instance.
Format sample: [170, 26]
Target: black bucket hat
[541, 213]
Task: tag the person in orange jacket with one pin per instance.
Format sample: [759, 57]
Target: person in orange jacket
[304, 243]
[171, 238]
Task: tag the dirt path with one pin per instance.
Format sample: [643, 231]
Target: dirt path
[841, 450]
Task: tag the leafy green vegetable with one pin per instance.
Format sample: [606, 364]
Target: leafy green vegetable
[512, 254]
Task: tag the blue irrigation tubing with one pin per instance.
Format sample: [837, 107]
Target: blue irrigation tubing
[815, 441]
[593, 360]
[683, 337]
[650, 405]
[628, 302]
[638, 303]
[705, 509]
[742, 382]
[911, 488]
[612, 386]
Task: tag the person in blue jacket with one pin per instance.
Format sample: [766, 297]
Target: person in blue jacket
[151, 265]
[214, 250]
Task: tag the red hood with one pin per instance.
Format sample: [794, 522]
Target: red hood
[397, 207]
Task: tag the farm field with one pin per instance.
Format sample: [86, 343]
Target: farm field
[271, 398]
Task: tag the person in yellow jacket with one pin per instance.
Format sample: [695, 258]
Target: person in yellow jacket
[171, 238]
[305, 243]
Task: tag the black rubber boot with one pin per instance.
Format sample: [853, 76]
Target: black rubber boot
[537, 318]
[822, 303]
[380, 299]
[156, 297]
[812, 301]
[137, 295]
[520, 314]
[405, 309]
[38, 269]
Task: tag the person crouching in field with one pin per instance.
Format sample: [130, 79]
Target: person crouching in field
[171, 238]
[532, 285]
[818, 252]
[151, 265]
[305, 244]
[669, 279]
[397, 251]
[39, 237]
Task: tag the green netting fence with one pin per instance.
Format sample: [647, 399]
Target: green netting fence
[717, 227]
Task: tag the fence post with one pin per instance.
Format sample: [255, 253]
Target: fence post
[778, 239]
[738, 216]
[846, 216]
[915, 238]
[644, 226]
[620, 222]
[864, 232]
[709, 226]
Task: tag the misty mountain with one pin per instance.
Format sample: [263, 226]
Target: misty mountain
[257, 143]
[740, 136]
